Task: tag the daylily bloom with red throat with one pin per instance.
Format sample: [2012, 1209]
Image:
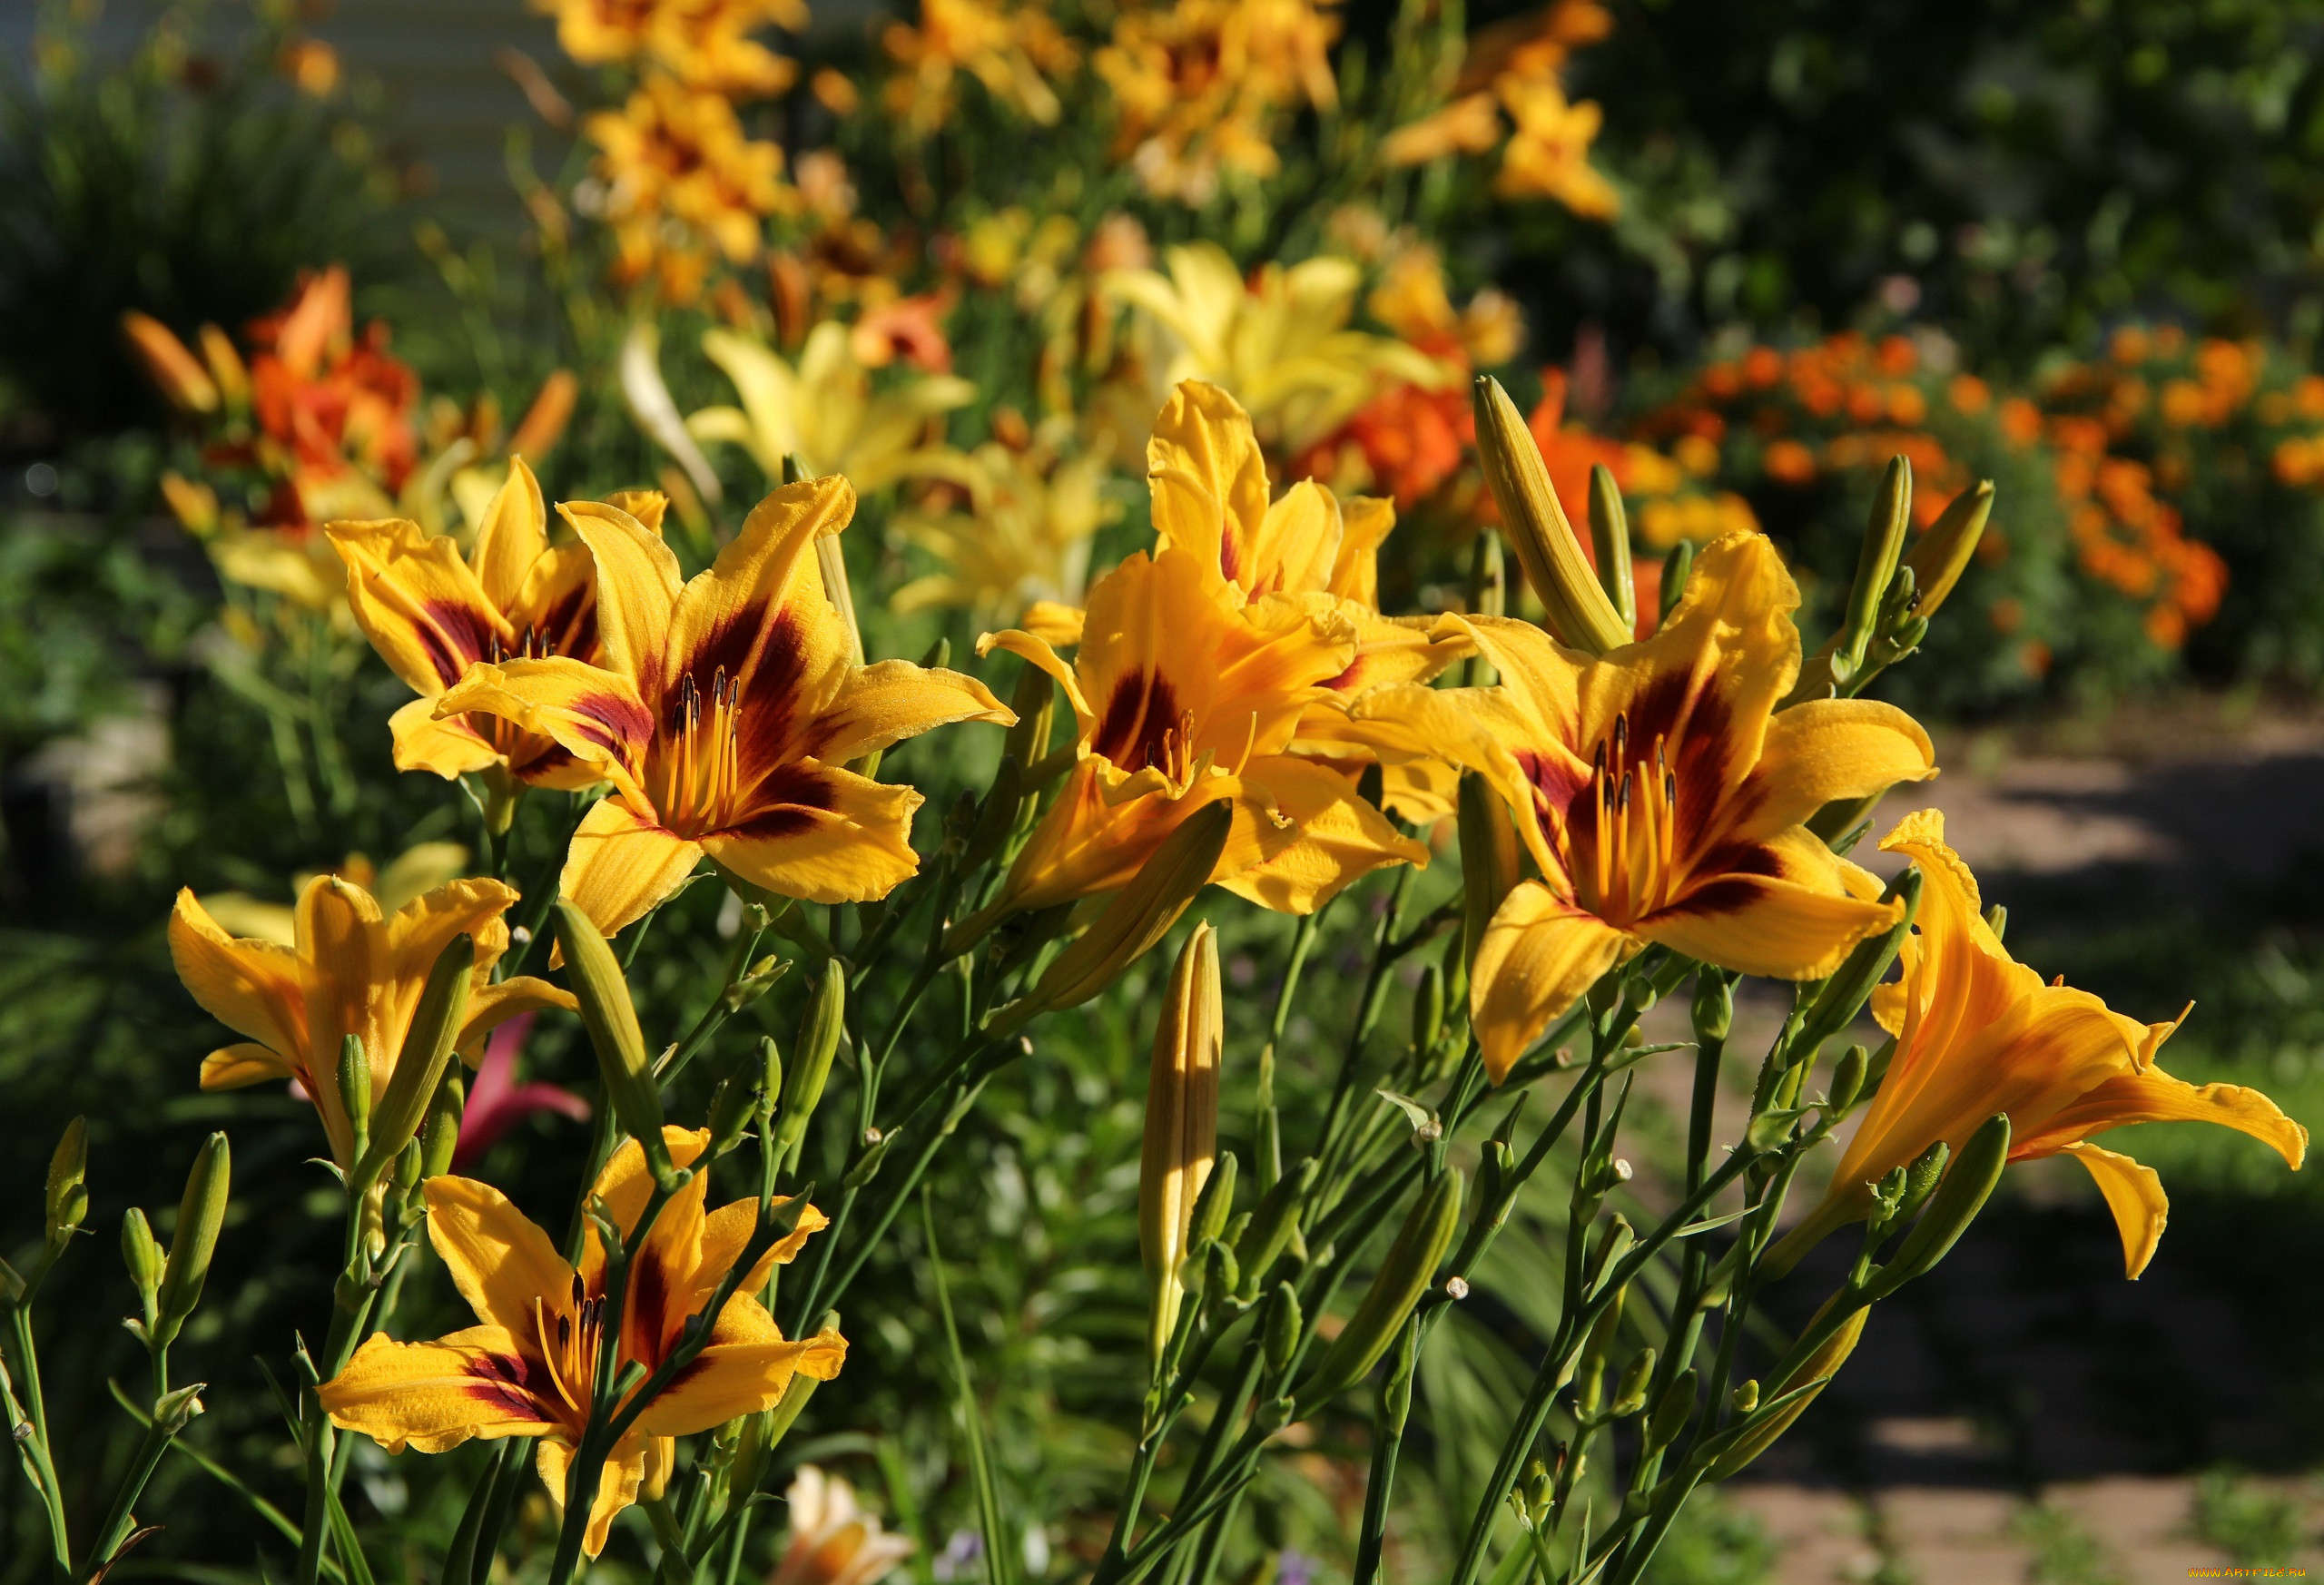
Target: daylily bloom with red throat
[1662, 796]
[432, 614]
[723, 716]
[529, 1368]
[353, 971]
[1184, 695]
[1209, 481]
[1978, 1033]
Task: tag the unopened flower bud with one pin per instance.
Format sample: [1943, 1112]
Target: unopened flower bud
[1714, 1007]
[200, 1213]
[1845, 992]
[1997, 920]
[1745, 1397]
[996, 816]
[1535, 524]
[732, 1107]
[1884, 543]
[1612, 1244]
[1672, 1411]
[1428, 1008]
[1034, 701]
[1955, 1204]
[1221, 1276]
[1212, 1205]
[172, 1411]
[420, 1066]
[1943, 552]
[1676, 568]
[1921, 1178]
[1847, 1080]
[182, 379]
[353, 1076]
[755, 982]
[813, 1051]
[1273, 1224]
[1597, 1348]
[1819, 1366]
[1140, 915]
[66, 1202]
[1630, 1396]
[1540, 1485]
[611, 1018]
[1181, 1143]
[1488, 859]
[141, 1252]
[1404, 1275]
[439, 1138]
[1280, 1327]
[1610, 537]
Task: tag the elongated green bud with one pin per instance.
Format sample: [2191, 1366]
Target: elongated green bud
[1141, 914]
[141, 1252]
[439, 1138]
[1884, 543]
[354, 1077]
[1612, 1244]
[1535, 524]
[1273, 1223]
[1214, 1205]
[732, 1107]
[1396, 1392]
[1847, 1080]
[1676, 568]
[1820, 1366]
[1403, 1276]
[201, 1213]
[1921, 1178]
[1034, 701]
[1672, 1411]
[811, 1054]
[1714, 1006]
[611, 1020]
[1596, 1347]
[1428, 1008]
[1943, 552]
[1967, 1185]
[1610, 537]
[1488, 859]
[65, 1199]
[1997, 920]
[426, 1052]
[1630, 1396]
[1844, 994]
[770, 1071]
[1280, 1327]
[1181, 1130]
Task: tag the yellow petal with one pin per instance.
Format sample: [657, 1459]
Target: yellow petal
[1538, 677]
[2156, 1097]
[761, 608]
[621, 865]
[742, 1376]
[253, 987]
[432, 1396]
[512, 537]
[1826, 750]
[419, 931]
[1037, 651]
[1794, 921]
[1105, 825]
[557, 603]
[1296, 545]
[1365, 525]
[883, 704]
[490, 1005]
[451, 749]
[637, 587]
[726, 1232]
[1333, 837]
[2134, 1194]
[593, 714]
[1538, 956]
[417, 602]
[822, 834]
[1209, 479]
[617, 1485]
[500, 1262]
[1054, 623]
[343, 946]
[239, 1067]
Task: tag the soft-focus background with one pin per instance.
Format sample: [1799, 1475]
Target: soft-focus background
[1740, 251]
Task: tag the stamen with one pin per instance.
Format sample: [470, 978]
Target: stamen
[1621, 734]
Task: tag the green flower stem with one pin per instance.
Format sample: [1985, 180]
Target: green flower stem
[28, 1428]
[541, 896]
[1375, 985]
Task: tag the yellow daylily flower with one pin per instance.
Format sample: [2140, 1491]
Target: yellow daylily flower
[723, 716]
[351, 970]
[1547, 154]
[1185, 694]
[822, 414]
[1024, 536]
[1662, 796]
[1210, 497]
[1015, 51]
[1978, 1033]
[432, 614]
[834, 1542]
[682, 177]
[530, 1367]
[1280, 344]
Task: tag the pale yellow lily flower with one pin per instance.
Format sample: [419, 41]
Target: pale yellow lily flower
[1023, 538]
[1281, 344]
[822, 412]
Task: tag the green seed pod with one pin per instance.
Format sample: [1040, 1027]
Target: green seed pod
[141, 1252]
[439, 1139]
[1404, 1275]
[66, 1200]
[354, 1077]
[816, 1045]
[1280, 1328]
[421, 1064]
[611, 1018]
[200, 1213]
[1847, 1080]
[1956, 1205]
[1273, 1223]
[1672, 1411]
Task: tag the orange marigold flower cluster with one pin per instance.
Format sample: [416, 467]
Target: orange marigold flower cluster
[2124, 536]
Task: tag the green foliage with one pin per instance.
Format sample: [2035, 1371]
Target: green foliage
[1714, 1544]
[2257, 1526]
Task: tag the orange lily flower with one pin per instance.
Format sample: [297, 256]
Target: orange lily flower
[1185, 694]
[1977, 1033]
[431, 615]
[529, 1368]
[352, 972]
[723, 716]
[1662, 796]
